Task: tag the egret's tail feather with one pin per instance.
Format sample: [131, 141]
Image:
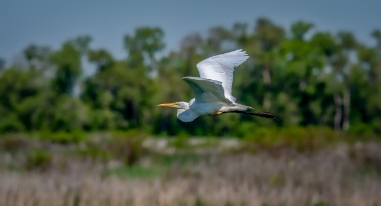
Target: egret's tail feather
[244, 106]
[260, 114]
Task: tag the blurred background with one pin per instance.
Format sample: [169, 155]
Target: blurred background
[80, 81]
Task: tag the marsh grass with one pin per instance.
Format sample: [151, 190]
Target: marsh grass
[220, 172]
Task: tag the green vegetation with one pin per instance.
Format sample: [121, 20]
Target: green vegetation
[127, 147]
[306, 77]
[38, 160]
[69, 136]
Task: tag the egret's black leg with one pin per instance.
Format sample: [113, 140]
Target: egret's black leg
[260, 114]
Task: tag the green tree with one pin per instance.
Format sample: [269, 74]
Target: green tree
[326, 44]
[2, 64]
[17, 86]
[81, 44]
[306, 77]
[347, 44]
[101, 58]
[269, 37]
[68, 63]
[38, 58]
[145, 42]
[299, 77]
[299, 29]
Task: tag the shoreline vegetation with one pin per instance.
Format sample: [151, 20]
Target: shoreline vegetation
[289, 166]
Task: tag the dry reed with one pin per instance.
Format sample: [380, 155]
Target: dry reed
[337, 175]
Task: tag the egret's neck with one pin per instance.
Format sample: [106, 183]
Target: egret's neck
[191, 102]
[179, 111]
[186, 115]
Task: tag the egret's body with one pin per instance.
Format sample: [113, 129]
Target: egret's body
[213, 89]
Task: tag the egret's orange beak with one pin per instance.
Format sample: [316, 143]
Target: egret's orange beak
[169, 104]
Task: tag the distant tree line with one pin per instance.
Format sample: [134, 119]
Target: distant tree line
[304, 76]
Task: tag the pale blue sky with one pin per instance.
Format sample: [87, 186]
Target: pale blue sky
[49, 22]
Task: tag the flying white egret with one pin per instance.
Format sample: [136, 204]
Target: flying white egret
[213, 89]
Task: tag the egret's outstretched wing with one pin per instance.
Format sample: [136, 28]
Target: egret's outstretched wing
[207, 90]
[221, 68]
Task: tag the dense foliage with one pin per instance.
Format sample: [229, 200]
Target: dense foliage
[305, 77]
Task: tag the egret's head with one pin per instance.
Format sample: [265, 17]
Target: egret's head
[177, 105]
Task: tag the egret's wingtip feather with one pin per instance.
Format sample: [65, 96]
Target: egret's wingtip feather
[221, 67]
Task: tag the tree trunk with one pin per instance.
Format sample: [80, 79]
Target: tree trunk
[153, 68]
[302, 85]
[266, 76]
[338, 112]
[266, 101]
[347, 107]
[267, 82]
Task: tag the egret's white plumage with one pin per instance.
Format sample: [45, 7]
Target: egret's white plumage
[213, 89]
[221, 68]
